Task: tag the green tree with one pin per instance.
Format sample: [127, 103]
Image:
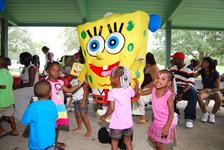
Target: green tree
[20, 41]
[158, 48]
[71, 39]
[196, 44]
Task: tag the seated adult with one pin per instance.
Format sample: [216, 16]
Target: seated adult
[29, 76]
[184, 77]
[150, 73]
[36, 62]
[193, 64]
[211, 86]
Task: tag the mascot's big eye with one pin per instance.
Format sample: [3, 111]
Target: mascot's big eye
[115, 42]
[95, 45]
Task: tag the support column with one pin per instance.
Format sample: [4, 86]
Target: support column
[4, 37]
[168, 43]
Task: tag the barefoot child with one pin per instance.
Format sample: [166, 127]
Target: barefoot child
[162, 131]
[120, 107]
[41, 115]
[58, 97]
[80, 106]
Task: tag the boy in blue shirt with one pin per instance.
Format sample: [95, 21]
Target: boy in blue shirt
[41, 116]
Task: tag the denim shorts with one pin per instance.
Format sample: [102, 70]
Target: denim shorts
[78, 108]
[116, 134]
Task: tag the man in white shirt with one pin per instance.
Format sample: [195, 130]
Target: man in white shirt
[184, 77]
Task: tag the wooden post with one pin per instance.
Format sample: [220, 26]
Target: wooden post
[4, 37]
[168, 43]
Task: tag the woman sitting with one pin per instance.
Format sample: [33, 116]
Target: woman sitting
[29, 76]
[211, 86]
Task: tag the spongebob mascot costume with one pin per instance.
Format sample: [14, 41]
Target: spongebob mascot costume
[116, 40]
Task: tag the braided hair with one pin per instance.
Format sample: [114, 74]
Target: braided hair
[125, 76]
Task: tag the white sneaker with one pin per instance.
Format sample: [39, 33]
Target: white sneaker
[205, 117]
[189, 124]
[211, 118]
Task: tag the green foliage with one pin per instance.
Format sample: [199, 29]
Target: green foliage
[71, 38]
[159, 47]
[195, 44]
[20, 41]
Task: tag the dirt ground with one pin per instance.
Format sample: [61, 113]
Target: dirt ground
[204, 136]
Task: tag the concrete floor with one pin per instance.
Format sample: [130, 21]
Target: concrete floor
[204, 136]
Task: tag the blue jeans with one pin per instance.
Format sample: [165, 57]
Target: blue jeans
[191, 96]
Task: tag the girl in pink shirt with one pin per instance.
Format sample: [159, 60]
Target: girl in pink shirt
[120, 107]
[57, 88]
[162, 131]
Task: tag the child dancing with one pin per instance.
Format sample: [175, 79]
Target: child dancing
[120, 107]
[80, 104]
[162, 131]
[57, 88]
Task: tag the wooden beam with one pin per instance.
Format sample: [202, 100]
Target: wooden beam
[10, 18]
[174, 10]
[83, 10]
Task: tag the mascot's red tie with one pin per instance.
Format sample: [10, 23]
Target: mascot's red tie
[105, 95]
